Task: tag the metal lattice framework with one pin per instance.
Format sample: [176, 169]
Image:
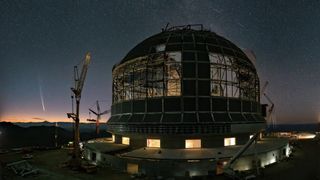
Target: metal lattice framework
[150, 76]
[184, 76]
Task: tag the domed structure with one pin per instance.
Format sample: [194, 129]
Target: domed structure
[185, 102]
[185, 81]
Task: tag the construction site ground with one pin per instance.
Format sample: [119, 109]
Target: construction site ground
[303, 164]
[50, 167]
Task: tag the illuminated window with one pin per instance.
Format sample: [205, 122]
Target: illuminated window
[148, 76]
[229, 141]
[193, 143]
[113, 138]
[125, 140]
[153, 143]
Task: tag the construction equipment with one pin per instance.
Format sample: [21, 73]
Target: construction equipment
[269, 117]
[98, 114]
[79, 82]
[228, 170]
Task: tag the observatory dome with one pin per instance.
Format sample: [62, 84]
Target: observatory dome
[186, 101]
[185, 80]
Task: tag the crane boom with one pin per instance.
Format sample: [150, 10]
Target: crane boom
[94, 112]
[80, 82]
[264, 88]
[268, 98]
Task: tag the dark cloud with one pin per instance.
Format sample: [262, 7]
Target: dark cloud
[39, 119]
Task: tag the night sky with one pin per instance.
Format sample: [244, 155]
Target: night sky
[41, 41]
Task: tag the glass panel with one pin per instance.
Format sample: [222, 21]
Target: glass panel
[173, 74]
[175, 56]
[214, 58]
[127, 84]
[155, 76]
[215, 89]
[228, 60]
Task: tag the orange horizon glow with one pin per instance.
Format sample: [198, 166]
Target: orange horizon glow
[35, 119]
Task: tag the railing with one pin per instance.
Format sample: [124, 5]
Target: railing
[184, 27]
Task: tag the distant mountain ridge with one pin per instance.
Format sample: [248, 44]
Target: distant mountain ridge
[14, 136]
[85, 127]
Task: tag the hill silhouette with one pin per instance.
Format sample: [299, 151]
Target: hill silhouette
[13, 136]
[84, 127]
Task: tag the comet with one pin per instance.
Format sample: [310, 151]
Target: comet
[41, 97]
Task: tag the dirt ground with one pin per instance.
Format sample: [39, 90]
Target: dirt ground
[49, 164]
[303, 165]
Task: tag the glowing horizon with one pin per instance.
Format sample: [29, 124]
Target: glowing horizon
[52, 119]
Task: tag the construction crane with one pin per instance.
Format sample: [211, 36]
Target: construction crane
[271, 109]
[79, 82]
[98, 114]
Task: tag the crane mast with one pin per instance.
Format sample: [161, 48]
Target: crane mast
[79, 82]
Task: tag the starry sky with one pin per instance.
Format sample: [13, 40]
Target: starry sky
[41, 41]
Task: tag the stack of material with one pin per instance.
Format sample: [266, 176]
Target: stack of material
[22, 168]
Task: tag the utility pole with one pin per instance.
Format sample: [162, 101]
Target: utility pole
[56, 135]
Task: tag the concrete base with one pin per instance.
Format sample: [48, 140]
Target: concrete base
[191, 162]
